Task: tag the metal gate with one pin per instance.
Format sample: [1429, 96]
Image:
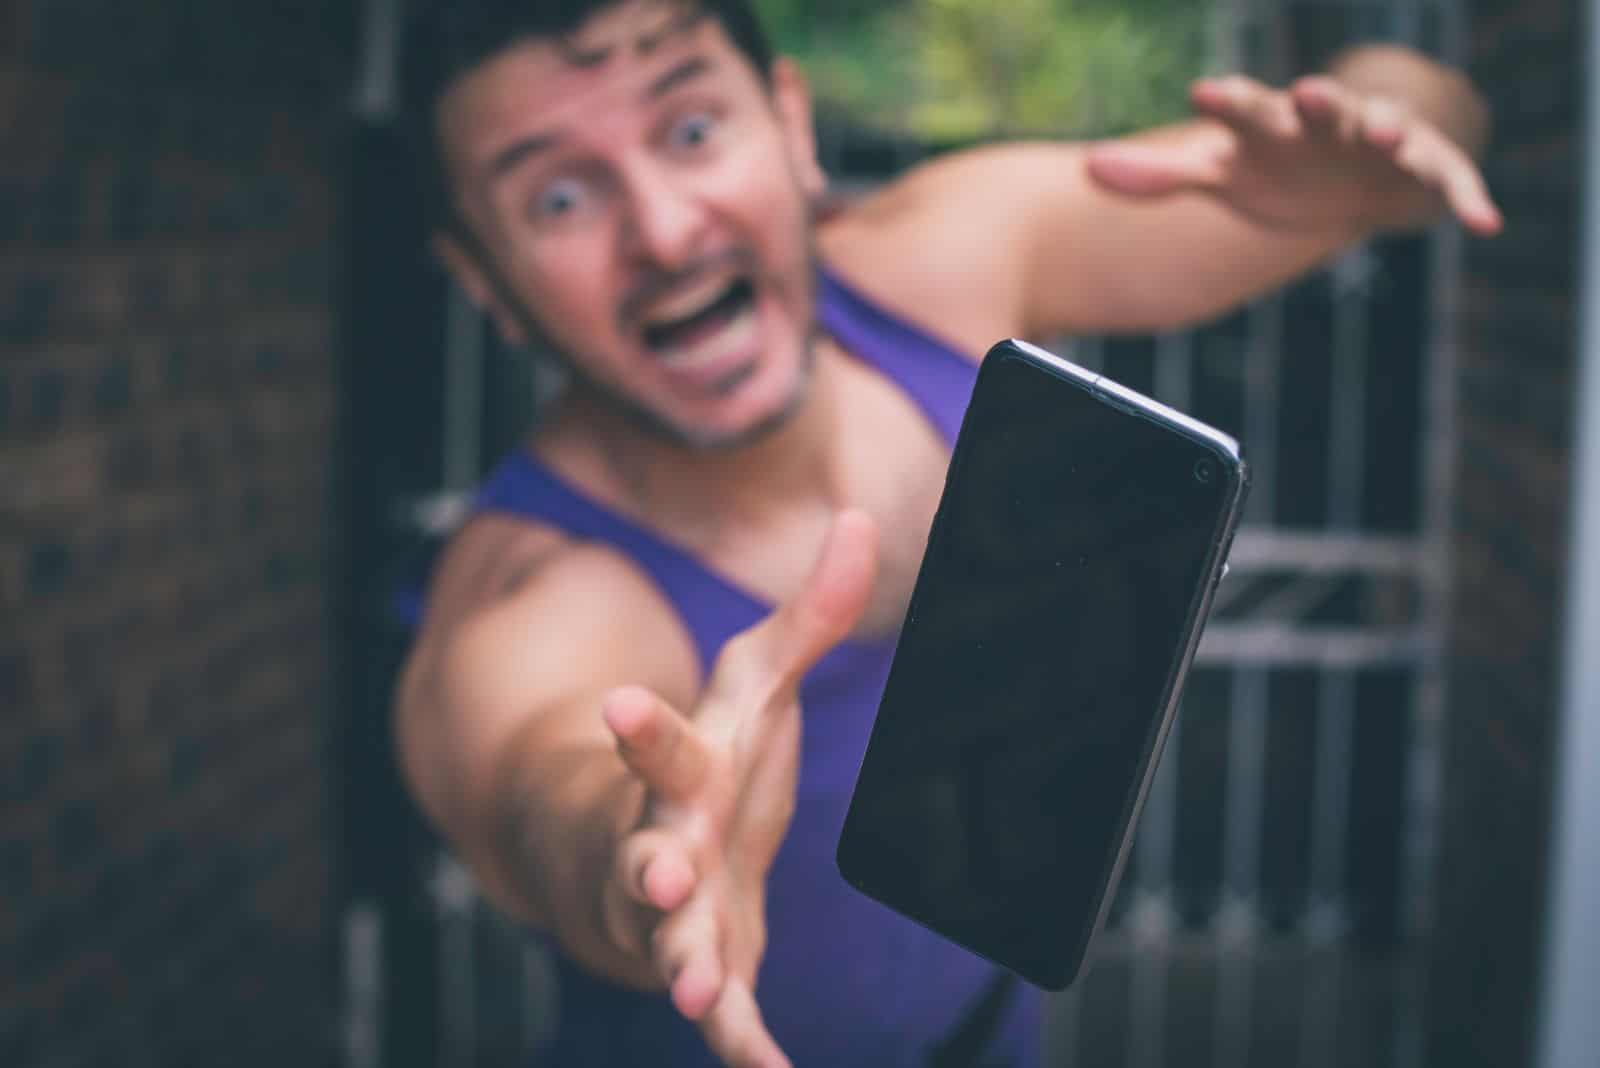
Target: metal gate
[1278, 900]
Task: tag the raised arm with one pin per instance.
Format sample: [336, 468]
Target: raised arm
[1182, 224]
[1179, 224]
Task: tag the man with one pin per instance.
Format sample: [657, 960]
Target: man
[602, 709]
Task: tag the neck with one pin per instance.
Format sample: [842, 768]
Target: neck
[699, 491]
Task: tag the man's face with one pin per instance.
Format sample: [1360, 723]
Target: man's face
[642, 195]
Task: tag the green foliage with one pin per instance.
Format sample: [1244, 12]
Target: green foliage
[960, 70]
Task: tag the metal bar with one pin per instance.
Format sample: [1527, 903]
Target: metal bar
[1247, 735]
[1261, 407]
[1061, 1028]
[1174, 374]
[1198, 947]
[1405, 20]
[540, 1006]
[363, 983]
[435, 515]
[1279, 645]
[1319, 1030]
[1158, 839]
[454, 897]
[1147, 1005]
[1291, 603]
[1352, 278]
[1237, 923]
[463, 399]
[530, 1030]
[1264, 344]
[375, 93]
[1229, 20]
[1154, 915]
[1569, 1026]
[1260, 549]
[1420, 816]
[1233, 588]
[1325, 922]
[1325, 919]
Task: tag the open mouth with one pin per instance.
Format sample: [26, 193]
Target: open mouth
[724, 324]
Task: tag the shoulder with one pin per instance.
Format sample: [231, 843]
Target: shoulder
[518, 610]
[958, 234]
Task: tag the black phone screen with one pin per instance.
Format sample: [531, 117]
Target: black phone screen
[1031, 676]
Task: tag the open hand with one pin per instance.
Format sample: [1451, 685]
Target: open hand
[688, 886]
[1315, 155]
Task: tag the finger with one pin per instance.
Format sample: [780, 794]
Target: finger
[736, 1033]
[1468, 196]
[1251, 108]
[685, 950]
[656, 742]
[774, 654]
[698, 985]
[1325, 107]
[1447, 170]
[654, 869]
[1383, 124]
[1155, 170]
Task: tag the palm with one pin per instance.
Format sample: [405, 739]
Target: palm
[769, 756]
[690, 878]
[743, 812]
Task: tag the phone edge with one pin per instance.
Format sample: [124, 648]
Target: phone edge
[1122, 396]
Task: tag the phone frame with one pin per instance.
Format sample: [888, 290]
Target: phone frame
[1235, 473]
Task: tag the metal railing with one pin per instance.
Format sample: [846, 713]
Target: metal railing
[1283, 991]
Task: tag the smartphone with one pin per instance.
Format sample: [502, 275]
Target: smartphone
[1069, 571]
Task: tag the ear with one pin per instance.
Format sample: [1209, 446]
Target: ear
[791, 94]
[469, 273]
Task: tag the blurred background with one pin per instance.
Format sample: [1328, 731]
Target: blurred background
[239, 409]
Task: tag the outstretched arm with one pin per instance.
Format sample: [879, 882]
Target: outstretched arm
[1183, 223]
[1179, 224]
[560, 737]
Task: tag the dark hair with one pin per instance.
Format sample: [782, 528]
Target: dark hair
[446, 39]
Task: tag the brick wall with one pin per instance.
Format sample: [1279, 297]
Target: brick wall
[1517, 375]
[166, 408]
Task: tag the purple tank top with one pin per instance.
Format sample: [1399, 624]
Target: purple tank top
[845, 982]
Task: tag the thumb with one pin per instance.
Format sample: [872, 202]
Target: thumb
[775, 653]
[1147, 170]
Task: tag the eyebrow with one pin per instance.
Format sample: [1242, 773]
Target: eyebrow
[688, 70]
[508, 158]
[513, 154]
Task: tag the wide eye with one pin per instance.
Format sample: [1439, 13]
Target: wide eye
[558, 200]
[692, 131]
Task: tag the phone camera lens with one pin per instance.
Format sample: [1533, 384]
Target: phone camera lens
[1205, 472]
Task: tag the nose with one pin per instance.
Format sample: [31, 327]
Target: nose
[665, 223]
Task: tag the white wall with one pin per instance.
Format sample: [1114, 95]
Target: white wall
[1570, 1025]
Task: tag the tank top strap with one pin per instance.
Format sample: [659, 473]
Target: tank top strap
[932, 372]
[712, 608]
